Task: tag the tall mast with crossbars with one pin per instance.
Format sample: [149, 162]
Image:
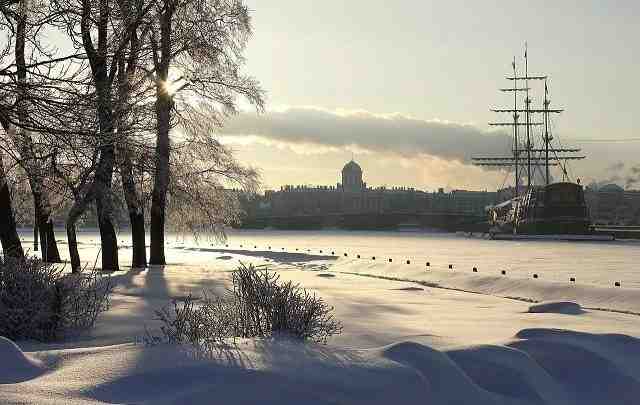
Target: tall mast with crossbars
[535, 158]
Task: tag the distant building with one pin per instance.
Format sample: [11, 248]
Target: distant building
[353, 195]
[473, 202]
[612, 205]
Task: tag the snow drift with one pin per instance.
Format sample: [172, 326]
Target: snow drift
[15, 365]
[538, 366]
[404, 343]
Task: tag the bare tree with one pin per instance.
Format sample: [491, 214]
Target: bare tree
[206, 180]
[17, 16]
[77, 119]
[33, 165]
[131, 123]
[125, 151]
[99, 20]
[200, 43]
[9, 238]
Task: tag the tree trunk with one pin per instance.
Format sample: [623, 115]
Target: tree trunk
[137, 238]
[163, 117]
[78, 207]
[161, 181]
[108, 238]
[43, 222]
[135, 205]
[8, 232]
[35, 230]
[48, 243]
[156, 252]
[97, 191]
[74, 256]
[103, 179]
[136, 211]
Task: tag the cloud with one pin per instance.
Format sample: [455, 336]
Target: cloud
[620, 173]
[315, 130]
[633, 177]
[616, 167]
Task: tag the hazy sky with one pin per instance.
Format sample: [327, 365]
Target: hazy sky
[407, 86]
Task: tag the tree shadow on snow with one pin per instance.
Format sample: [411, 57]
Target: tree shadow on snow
[277, 371]
[276, 257]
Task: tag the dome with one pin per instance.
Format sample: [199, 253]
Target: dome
[352, 167]
[611, 188]
[352, 177]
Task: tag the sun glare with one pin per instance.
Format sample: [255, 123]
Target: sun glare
[171, 87]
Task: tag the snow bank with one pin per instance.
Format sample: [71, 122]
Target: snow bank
[15, 366]
[538, 366]
[588, 296]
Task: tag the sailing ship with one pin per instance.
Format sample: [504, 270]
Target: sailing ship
[552, 210]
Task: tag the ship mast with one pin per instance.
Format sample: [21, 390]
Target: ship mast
[514, 160]
[516, 152]
[527, 102]
[546, 131]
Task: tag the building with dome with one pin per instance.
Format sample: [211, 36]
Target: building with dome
[352, 177]
[352, 196]
[351, 203]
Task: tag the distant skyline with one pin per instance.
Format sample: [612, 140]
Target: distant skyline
[407, 85]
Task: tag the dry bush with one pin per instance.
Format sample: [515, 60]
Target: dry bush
[40, 301]
[256, 305]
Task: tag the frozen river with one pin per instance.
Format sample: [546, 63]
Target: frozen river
[600, 263]
[589, 262]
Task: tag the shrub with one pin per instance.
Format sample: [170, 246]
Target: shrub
[257, 304]
[39, 301]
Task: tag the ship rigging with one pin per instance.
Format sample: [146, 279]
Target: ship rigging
[528, 157]
[555, 210]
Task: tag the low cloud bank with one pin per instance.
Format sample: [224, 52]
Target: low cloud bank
[416, 142]
[310, 128]
[622, 174]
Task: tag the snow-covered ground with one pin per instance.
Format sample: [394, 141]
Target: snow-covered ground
[410, 335]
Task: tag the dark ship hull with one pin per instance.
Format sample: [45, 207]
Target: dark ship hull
[555, 211]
